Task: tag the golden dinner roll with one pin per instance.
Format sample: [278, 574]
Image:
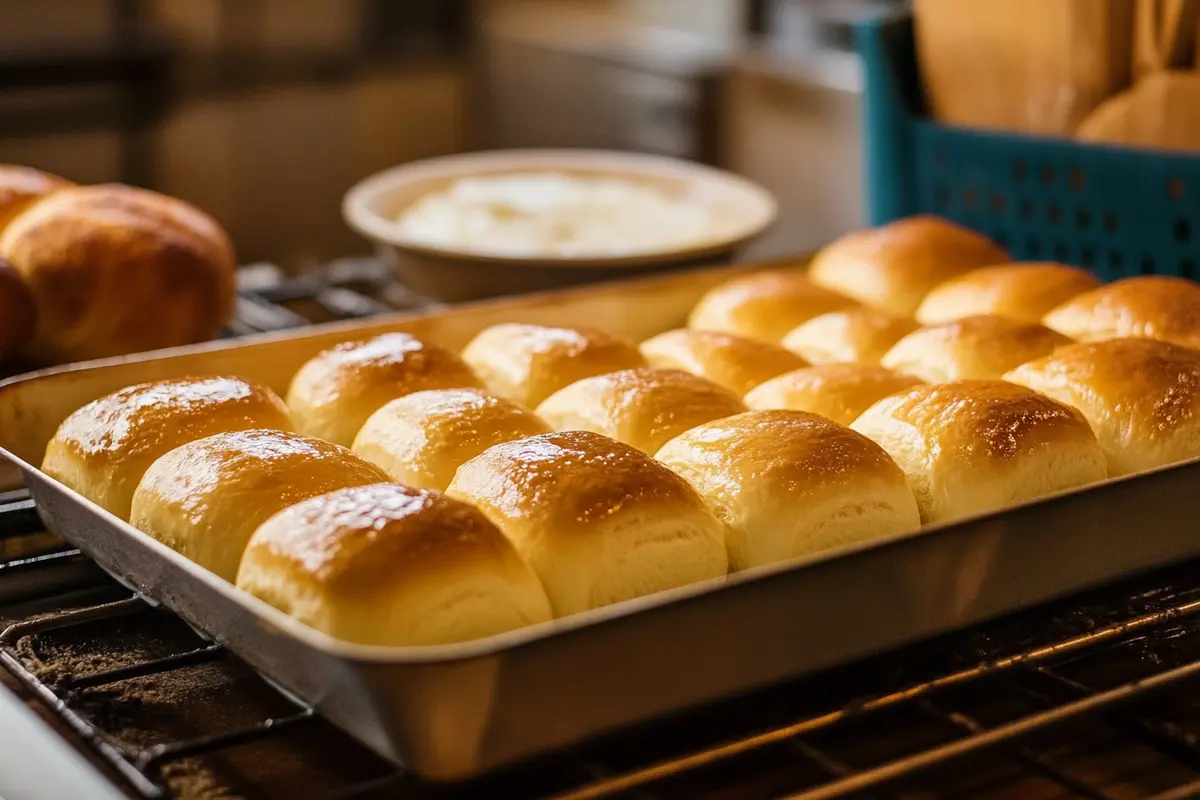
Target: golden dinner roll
[334, 393]
[641, 407]
[1141, 397]
[735, 362]
[205, 498]
[392, 566]
[840, 392]
[856, 334]
[764, 305]
[1147, 306]
[972, 347]
[971, 447]
[18, 314]
[103, 449]
[528, 363]
[789, 483]
[894, 266]
[20, 186]
[118, 270]
[599, 521]
[421, 439]
[1024, 292]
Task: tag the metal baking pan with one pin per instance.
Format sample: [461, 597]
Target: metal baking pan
[450, 712]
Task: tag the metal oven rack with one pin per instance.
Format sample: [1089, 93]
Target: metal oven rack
[1093, 697]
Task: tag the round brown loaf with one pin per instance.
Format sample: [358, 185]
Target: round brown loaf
[972, 447]
[334, 393]
[599, 521]
[972, 347]
[840, 392]
[764, 305]
[103, 449]
[18, 314]
[1147, 306]
[788, 484]
[641, 407]
[204, 499]
[117, 270]
[1141, 397]
[1024, 292]
[21, 186]
[735, 362]
[392, 566]
[422, 439]
[528, 363]
[894, 266]
[860, 335]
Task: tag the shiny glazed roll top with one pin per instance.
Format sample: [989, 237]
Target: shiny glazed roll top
[528, 363]
[599, 521]
[971, 447]
[735, 362]
[205, 498]
[335, 392]
[641, 407]
[388, 565]
[764, 305]
[789, 484]
[103, 449]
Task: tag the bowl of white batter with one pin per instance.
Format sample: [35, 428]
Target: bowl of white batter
[512, 221]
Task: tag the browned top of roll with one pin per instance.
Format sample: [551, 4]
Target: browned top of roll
[1024, 292]
[973, 347]
[855, 334]
[528, 363]
[641, 407]
[363, 538]
[566, 480]
[894, 266]
[971, 423]
[337, 390]
[764, 305]
[735, 362]
[1147, 306]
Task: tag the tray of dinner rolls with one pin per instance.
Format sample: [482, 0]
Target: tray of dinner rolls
[474, 536]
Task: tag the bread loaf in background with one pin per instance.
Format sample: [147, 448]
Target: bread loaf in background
[985, 346]
[18, 312]
[114, 269]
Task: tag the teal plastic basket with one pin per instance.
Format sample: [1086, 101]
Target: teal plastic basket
[1117, 211]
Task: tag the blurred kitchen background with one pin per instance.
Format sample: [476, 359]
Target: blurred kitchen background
[264, 112]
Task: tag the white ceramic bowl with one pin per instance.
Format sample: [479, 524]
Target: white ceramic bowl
[373, 206]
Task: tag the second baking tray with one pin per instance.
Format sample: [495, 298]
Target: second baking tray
[450, 712]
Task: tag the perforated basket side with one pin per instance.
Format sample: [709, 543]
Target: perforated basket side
[1118, 211]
